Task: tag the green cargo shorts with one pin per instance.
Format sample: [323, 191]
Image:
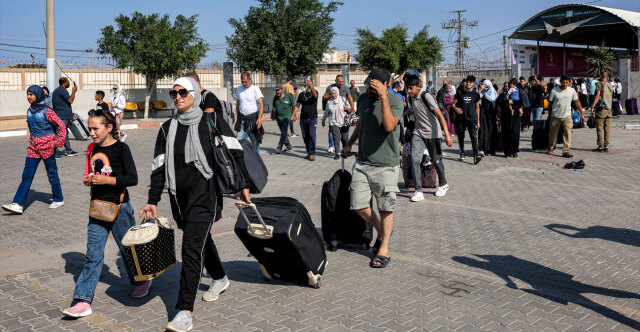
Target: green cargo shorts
[381, 181]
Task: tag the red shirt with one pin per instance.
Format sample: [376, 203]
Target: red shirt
[44, 146]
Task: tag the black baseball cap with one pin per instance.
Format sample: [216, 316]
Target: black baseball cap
[278, 86]
[377, 74]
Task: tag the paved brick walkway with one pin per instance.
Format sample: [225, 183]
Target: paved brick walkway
[516, 244]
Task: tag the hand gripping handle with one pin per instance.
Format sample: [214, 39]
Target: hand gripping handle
[241, 205]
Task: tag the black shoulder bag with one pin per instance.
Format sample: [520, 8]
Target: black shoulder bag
[227, 161]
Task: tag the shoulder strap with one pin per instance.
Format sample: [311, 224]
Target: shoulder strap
[424, 100]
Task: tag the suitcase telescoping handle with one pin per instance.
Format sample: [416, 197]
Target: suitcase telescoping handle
[241, 205]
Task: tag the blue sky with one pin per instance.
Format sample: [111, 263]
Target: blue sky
[78, 22]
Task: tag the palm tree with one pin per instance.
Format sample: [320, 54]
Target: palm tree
[600, 61]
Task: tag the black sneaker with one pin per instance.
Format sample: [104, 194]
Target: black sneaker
[599, 149]
[288, 149]
[514, 155]
[477, 160]
[461, 157]
[605, 149]
[71, 153]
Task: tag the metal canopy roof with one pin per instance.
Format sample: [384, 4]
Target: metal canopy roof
[580, 24]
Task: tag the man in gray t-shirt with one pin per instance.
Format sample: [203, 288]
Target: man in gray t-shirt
[427, 133]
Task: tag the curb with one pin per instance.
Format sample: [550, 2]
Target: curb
[25, 132]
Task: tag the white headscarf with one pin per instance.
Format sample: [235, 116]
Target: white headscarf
[193, 151]
[118, 102]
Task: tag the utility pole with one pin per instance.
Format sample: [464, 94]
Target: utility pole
[51, 47]
[462, 42]
[504, 48]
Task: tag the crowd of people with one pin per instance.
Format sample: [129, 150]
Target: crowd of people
[392, 111]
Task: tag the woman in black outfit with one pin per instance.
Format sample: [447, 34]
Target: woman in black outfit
[182, 162]
[510, 124]
[486, 141]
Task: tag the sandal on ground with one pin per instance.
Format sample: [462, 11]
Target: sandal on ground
[380, 262]
[376, 247]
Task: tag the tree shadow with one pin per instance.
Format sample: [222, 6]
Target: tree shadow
[620, 235]
[550, 284]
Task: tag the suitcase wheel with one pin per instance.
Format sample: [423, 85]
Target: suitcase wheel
[318, 283]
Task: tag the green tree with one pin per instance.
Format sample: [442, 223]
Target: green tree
[394, 51]
[153, 46]
[600, 61]
[282, 37]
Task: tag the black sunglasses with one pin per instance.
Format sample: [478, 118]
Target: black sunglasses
[100, 112]
[183, 93]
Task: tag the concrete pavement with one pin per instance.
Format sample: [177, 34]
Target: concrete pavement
[516, 244]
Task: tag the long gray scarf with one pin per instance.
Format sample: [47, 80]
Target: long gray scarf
[193, 151]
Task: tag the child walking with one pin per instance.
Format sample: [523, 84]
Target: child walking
[109, 170]
[42, 122]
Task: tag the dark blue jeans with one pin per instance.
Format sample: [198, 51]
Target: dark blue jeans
[30, 167]
[291, 127]
[284, 138]
[308, 129]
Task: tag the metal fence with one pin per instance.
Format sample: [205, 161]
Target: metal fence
[101, 74]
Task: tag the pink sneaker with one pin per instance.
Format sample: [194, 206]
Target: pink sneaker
[142, 290]
[81, 309]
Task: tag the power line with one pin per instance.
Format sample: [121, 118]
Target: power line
[41, 48]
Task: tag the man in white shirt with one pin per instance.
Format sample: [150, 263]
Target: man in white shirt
[560, 100]
[249, 110]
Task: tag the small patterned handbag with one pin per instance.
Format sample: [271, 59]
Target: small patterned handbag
[350, 119]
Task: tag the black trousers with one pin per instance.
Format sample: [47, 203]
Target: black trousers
[198, 251]
[485, 132]
[284, 137]
[462, 125]
[510, 132]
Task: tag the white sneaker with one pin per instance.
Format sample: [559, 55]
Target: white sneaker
[481, 154]
[331, 150]
[56, 205]
[217, 287]
[442, 190]
[294, 135]
[13, 207]
[417, 196]
[182, 322]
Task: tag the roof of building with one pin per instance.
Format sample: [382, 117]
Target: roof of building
[581, 24]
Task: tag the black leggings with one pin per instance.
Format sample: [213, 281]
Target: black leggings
[198, 250]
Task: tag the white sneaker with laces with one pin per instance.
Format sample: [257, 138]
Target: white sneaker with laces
[182, 322]
[417, 196]
[331, 150]
[217, 287]
[442, 190]
[13, 207]
[56, 205]
[294, 135]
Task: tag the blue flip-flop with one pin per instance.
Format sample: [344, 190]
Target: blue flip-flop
[380, 261]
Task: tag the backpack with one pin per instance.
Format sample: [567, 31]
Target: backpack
[226, 108]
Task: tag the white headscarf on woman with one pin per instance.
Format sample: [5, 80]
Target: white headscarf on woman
[193, 151]
[491, 93]
[118, 102]
[338, 105]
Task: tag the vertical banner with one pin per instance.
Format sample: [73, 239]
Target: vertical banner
[551, 60]
[575, 63]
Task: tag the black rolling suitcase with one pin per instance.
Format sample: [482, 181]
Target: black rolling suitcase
[279, 233]
[340, 224]
[540, 136]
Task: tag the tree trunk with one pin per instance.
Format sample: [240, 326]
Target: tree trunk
[151, 85]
